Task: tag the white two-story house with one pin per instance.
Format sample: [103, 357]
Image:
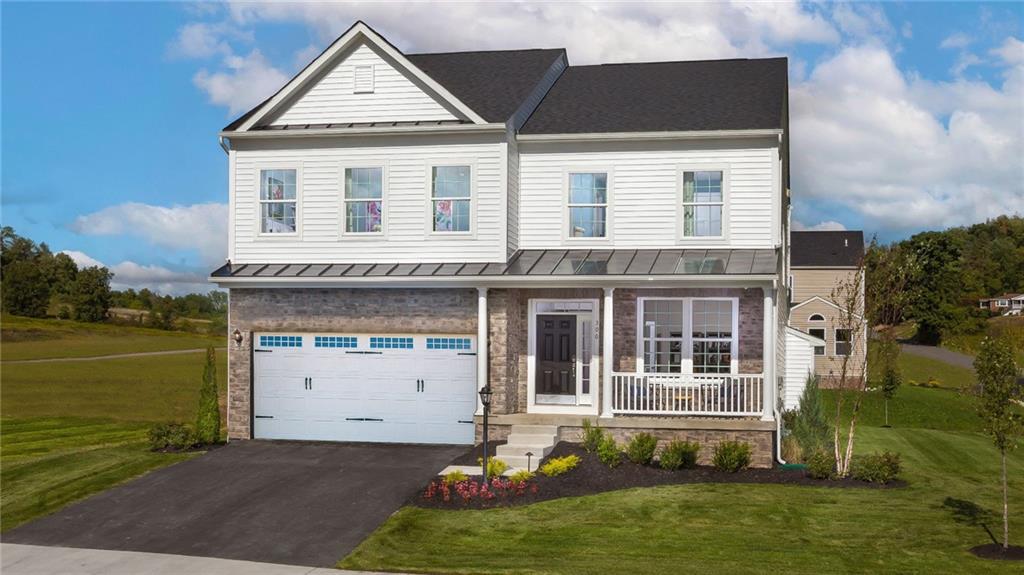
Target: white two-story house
[604, 242]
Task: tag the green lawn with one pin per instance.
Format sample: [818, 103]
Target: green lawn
[26, 338]
[71, 429]
[720, 528]
[48, 463]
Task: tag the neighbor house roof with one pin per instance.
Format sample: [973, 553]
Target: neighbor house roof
[493, 83]
[831, 249]
[708, 95]
[533, 263]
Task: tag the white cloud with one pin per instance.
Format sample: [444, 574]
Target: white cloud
[199, 40]
[129, 274]
[199, 227]
[1011, 51]
[826, 226]
[959, 40]
[247, 81]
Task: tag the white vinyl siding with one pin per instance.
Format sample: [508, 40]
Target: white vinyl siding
[406, 204]
[336, 97]
[645, 208]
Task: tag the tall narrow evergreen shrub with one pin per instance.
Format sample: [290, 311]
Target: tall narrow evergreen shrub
[208, 417]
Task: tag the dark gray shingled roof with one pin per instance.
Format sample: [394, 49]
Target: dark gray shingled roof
[538, 263]
[493, 84]
[826, 249]
[665, 96]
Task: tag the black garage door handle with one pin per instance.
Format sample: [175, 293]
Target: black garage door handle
[362, 419]
[264, 416]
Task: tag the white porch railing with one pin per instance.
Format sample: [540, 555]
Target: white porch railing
[678, 394]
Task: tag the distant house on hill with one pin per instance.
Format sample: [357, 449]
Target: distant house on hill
[1003, 304]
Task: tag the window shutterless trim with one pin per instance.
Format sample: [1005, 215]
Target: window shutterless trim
[343, 233]
[836, 342]
[824, 338]
[259, 234]
[687, 339]
[681, 170]
[432, 234]
[609, 198]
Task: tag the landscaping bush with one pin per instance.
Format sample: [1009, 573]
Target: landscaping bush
[521, 476]
[608, 451]
[731, 456]
[171, 436]
[495, 466]
[876, 468]
[641, 448]
[810, 426]
[208, 416]
[791, 450]
[679, 455]
[453, 477]
[559, 465]
[591, 436]
[821, 465]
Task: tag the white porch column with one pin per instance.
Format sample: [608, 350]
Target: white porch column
[606, 353]
[481, 344]
[768, 357]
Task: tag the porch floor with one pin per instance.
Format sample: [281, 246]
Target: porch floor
[633, 421]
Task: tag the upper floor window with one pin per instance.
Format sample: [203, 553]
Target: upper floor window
[588, 205]
[278, 202]
[703, 204]
[451, 198]
[364, 200]
[844, 342]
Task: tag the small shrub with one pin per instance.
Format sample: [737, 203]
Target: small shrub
[521, 476]
[64, 312]
[608, 451]
[821, 465]
[791, 450]
[679, 455]
[641, 448]
[171, 436]
[876, 468]
[559, 465]
[495, 466]
[732, 456]
[591, 436]
[453, 477]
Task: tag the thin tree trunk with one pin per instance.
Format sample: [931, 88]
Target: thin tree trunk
[887, 412]
[1006, 509]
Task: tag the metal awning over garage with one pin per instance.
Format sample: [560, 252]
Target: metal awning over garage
[564, 264]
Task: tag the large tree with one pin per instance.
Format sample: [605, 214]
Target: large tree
[91, 294]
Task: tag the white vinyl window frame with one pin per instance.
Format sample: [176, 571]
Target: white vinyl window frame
[687, 339]
[836, 341]
[431, 234]
[819, 350]
[343, 202]
[681, 204]
[609, 205]
[258, 195]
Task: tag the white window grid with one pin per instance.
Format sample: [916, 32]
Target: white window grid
[847, 342]
[461, 220]
[363, 176]
[274, 211]
[598, 210]
[704, 190]
[671, 347]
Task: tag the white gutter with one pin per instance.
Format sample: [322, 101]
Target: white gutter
[668, 135]
[368, 131]
[493, 281]
[225, 144]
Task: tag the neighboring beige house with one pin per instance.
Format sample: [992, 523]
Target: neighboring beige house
[820, 261]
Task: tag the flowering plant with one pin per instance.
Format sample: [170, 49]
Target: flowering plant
[468, 490]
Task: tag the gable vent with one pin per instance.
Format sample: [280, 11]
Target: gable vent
[363, 80]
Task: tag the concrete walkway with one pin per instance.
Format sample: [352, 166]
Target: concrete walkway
[37, 560]
[114, 356]
[940, 354]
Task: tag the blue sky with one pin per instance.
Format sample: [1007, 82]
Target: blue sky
[905, 116]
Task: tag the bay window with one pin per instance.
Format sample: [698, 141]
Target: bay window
[689, 335]
[278, 202]
[703, 204]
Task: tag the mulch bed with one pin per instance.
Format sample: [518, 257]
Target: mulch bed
[996, 551]
[591, 476]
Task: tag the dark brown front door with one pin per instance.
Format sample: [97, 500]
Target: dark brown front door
[556, 355]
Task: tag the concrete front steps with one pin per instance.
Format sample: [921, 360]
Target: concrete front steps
[536, 439]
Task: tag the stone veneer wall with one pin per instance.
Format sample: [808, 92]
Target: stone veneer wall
[394, 311]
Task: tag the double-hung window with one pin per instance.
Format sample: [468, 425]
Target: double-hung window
[689, 335]
[364, 200]
[278, 202]
[588, 205]
[451, 198]
[844, 342]
[818, 332]
[703, 204]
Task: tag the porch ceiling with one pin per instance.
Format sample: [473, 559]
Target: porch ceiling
[533, 263]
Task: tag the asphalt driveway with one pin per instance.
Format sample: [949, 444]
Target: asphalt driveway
[296, 503]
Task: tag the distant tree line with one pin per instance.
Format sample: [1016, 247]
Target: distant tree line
[946, 273]
[38, 283]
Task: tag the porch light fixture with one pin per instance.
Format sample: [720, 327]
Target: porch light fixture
[485, 398]
[237, 336]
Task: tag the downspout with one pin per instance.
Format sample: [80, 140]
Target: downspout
[775, 407]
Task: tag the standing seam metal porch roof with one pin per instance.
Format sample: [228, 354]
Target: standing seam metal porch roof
[536, 263]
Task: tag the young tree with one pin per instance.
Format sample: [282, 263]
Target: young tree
[997, 391]
[849, 296]
[91, 294]
[208, 417]
[810, 425]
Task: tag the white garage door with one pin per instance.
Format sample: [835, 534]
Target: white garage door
[364, 387]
